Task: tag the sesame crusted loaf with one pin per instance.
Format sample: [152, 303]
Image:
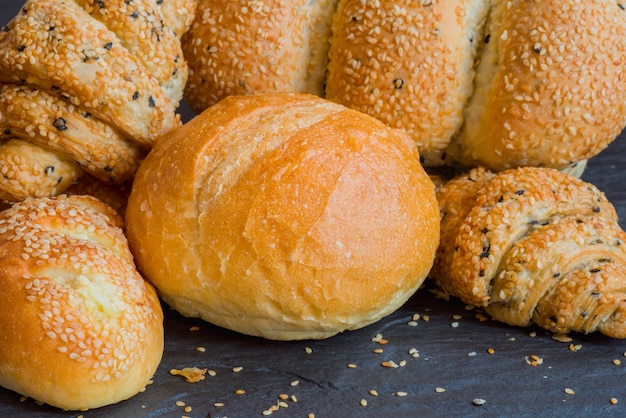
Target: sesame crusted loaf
[409, 64]
[246, 47]
[550, 88]
[533, 245]
[94, 82]
[80, 327]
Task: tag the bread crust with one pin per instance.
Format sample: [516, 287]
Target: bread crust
[284, 216]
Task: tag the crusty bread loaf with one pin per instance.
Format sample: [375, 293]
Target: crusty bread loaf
[241, 47]
[409, 64]
[533, 245]
[550, 89]
[284, 216]
[93, 83]
[80, 327]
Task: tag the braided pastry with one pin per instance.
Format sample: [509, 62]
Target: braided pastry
[93, 82]
[533, 245]
[80, 326]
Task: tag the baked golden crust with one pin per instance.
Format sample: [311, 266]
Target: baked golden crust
[550, 89]
[284, 216]
[242, 47]
[533, 244]
[80, 327]
[409, 64]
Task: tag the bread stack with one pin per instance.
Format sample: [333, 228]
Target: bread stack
[500, 84]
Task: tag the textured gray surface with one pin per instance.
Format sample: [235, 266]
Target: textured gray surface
[453, 358]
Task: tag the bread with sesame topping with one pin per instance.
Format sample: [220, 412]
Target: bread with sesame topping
[533, 245]
[409, 64]
[80, 327]
[247, 47]
[95, 82]
[285, 216]
[550, 89]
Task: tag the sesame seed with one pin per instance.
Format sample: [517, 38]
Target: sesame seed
[352, 366]
[440, 390]
[617, 362]
[240, 392]
[569, 391]
[479, 401]
[294, 383]
[613, 401]
[401, 394]
[237, 369]
[363, 402]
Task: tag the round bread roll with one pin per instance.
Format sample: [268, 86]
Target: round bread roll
[284, 216]
[550, 88]
[409, 64]
[80, 327]
[242, 47]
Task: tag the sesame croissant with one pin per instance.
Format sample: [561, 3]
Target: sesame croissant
[93, 83]
[533, 245]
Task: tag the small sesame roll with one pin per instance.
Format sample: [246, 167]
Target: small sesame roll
[409, 64]
[239, 47]
[543, 96]
[87, 318]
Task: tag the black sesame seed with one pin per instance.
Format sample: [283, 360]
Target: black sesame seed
[595, 294]
[174, 71]
[484, 230]
[60, 124]
[134, 15]
[557, 274]
[481, 273]
[501, 199]
[7, 131]
[150, 101]
[594, 271]
[596, 209]
[553, 319]
[159, 2]
[537, 49]
[108, 169]
[60, 179]
[135, 95]
[519, 192]
[620, 5]
[86, 115]
[584, 314]
[100, 3]
[108, 45]
[48, 170]
[487, 38]
[21, 48]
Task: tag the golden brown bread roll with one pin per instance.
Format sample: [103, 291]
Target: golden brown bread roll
[94, 82]
[284, 216]
[242, 47]
[533, 245]
[409, 64]
[550, 88]
[80, 327]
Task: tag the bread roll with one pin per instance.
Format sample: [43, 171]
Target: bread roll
[533, 245]
[409, 64]
[80, 327]
[550, 89]
[284, 216]
[91, 82]
[242, 47]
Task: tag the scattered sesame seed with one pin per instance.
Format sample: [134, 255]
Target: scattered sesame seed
[479, 401]
[352, 366]
[412, 323]
[454, 324]
[401, 394]
[187, 409]
[180, 403]
[490, 350]
[617, 362]
[363, 402]
[378, 350]
[218, 404]
[201, 349]
[194, 328]
[440, 390]
[240, 392]
[283, 396]
[308, 350]
[613, 401]
[569, 391]
[373, 392]
[237, 369]
[294, 383]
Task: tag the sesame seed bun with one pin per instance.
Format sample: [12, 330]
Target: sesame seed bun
[284, 216]
[550, 88]
[533, 245]
[80, 327]
[241, 47]
[409, 64]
